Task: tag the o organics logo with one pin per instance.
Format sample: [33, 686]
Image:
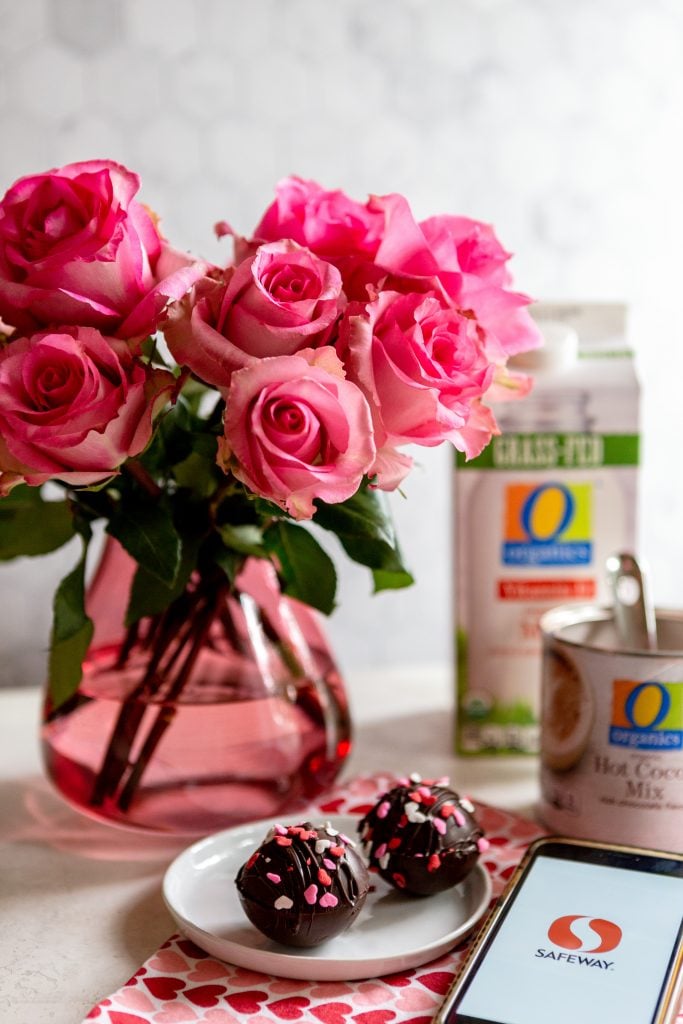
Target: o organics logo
[646, 715]
[547, 524]
[578, 932]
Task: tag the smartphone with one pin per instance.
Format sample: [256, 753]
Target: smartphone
[584, 932]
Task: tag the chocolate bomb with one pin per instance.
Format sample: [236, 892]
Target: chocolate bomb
[421, 837]
[303, 885]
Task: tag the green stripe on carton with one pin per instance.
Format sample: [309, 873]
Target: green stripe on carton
[555, 451]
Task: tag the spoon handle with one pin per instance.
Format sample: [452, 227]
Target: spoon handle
[634, 616]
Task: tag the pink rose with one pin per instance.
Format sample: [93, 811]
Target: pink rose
[296, 430]
[278, 301]
[422, 367]
[73, 406]
[76, 248]
[329, 223]
[468, 262]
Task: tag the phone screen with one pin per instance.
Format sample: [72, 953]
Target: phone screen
[582, 940]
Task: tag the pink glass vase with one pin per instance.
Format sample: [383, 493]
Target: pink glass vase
[225, 708]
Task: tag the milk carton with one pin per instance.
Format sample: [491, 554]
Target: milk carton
[538, 513]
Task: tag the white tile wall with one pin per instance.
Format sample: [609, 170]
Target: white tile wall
[560, 122]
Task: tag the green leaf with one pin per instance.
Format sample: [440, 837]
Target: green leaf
[246, 538]
[306, 569]
[366, 533]
[72, 631]
[149, 596]
[230, 561]
[146, 531]
[390, 580]
[31, 526]
[198, 472]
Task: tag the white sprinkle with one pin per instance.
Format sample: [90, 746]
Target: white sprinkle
[467, 804]
[322, 845]
[384, 861]
[283, 903]
[345, 839]
[415, 777]
[330, 831]
[413, 814]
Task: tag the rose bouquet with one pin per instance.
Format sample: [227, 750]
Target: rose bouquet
[205, 414]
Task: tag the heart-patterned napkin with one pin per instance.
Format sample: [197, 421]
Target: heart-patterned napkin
[180, 983]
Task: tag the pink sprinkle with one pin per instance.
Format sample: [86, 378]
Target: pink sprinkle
[329, 864]
[403, 781]
[328, 900]
[280, 830]
[381, 850]
[483, 844]
[459, 819]
[383, 809]
[311, 894]
[443, 781]
[424, 790]
[440, 825]
[345, 839]
[273, 877]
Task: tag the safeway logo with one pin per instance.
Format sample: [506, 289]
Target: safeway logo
[578, 932]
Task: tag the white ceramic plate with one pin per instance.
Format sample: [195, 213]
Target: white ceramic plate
[393, 932]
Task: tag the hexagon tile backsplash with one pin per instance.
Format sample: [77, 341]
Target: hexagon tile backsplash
[558, 122]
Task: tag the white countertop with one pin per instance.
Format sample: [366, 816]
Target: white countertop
[81, 902]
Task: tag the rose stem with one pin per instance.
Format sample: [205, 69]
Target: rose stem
[168, 710]
[132, 711]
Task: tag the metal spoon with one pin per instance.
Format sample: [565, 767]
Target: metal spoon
[634, 615]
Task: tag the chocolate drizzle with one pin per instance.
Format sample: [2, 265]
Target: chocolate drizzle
[304, 884]
[421, 837]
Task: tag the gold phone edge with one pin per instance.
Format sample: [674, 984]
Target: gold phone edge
[674, 985]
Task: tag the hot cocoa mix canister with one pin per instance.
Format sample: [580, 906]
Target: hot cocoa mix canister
[612, 730]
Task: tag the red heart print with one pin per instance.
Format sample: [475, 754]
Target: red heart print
[375, 1017]
[246, 1002]
[164, 988]
[419, 1020]
[189, 949]
[507, 872]
[117, 1017]
[396, 980]
[436, 981]
[134, 977]
[332, 806]
[360, 808]
[205, 995]
[289, 1008]
[332, 1013]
